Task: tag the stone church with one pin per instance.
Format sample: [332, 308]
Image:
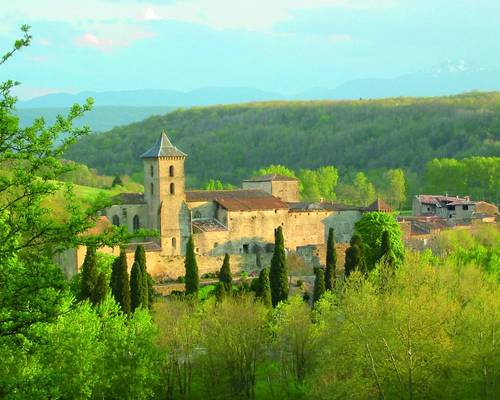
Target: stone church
[239, 222]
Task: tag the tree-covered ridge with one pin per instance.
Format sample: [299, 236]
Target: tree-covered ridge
[230, 142]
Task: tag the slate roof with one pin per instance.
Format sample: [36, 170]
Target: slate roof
[163, 148]
[320, 206]
[208, 225]
[212, 195]
[129, 198]
[441, 201]
[255, 204]
[270, 177]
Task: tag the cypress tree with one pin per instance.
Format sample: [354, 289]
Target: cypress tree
[319, 284]
[192, 281]
[136, 287]
[225, 275]
[354, 256]
[100, 289]
[89, 274]
[278, 274]
[117, 181]
[263, 290]
[151, 290]
[386, 254]
[120, 283]
[140, 258]
[331, 261]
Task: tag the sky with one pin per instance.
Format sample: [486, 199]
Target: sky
[284, 46]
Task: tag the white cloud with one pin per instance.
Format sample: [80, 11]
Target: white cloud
[256, 15]
[107, 39]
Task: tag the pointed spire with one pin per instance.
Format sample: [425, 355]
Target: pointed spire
[163, 148]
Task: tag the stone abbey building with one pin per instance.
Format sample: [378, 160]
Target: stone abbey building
[240, 221]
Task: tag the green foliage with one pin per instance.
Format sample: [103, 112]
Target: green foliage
[478, 177]
[278, 274]
[192, 280]
[370, 228]
[359, 136]
[100, 290]
[310, 185]
[319, 284]
[218, 185]
[146, 298]
[117, 181]
[275, 170]
[365, 190]
[120, 287]
[263, 289]
[395, 188]
[355, 257]
[386, 255]
[225, 275]
[331, 261]
[136, 287]
[89, 273]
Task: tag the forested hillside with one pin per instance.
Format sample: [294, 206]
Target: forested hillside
[229, 142]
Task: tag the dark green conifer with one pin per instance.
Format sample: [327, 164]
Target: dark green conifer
[192, 280]
[386, 255]
[117, 181]
[140, 258]
[89, 274]
[225, 275]
[331, 261]
[136, 287]
[278, 274]
[354, 257]
[120, 287]
[263, 289]
[319, 284]
[100, 289]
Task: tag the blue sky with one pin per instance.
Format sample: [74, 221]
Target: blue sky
[276, 45]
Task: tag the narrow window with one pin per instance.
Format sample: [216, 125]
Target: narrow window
[171, 170]
[116, 220]
[216, 245]
[151, 188]
[172, 188]
[465, 207]
[197, 214]
[136, 223]
[174, 243]
[151, 170]
[246, 248]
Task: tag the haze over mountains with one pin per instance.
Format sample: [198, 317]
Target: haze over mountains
[114, 108]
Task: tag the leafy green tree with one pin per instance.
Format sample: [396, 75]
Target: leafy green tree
[327, 178]
[263, 290]
[331, 260]
[117, 181]
[100, 289]
[310, 190]
[365, 189]
[140, 258]
[225, 275]
[120, 287]
[386, 254]
[136, 287]
[355, 256]
[319, 284]
[278, 274]
[395, 188]
[370, 228]
[191, 278]
[89, 273]
[275, 170]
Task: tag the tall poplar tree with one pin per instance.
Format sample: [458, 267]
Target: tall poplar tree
[89, 274]
[263, 291]
[319, 284]
[100, 289]
[225, 275]
[278, 274]
[120, 287]
[136, 288]
[331, 261]
[192, 280]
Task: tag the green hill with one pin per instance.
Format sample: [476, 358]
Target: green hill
[229, 142]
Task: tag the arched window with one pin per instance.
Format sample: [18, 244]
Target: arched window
[151, 187]
[171, 170]
[197, 214]
[172, 188]
[151, 170]
[116, 220]
[174, 243]
[137, 223]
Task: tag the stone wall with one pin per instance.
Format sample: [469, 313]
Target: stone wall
[126, 214]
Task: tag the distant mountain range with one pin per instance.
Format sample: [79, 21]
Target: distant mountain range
[114, 108]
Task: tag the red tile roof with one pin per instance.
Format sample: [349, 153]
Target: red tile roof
[212, 195]
[380, 206]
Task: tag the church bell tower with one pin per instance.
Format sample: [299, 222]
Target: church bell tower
[164, 193]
